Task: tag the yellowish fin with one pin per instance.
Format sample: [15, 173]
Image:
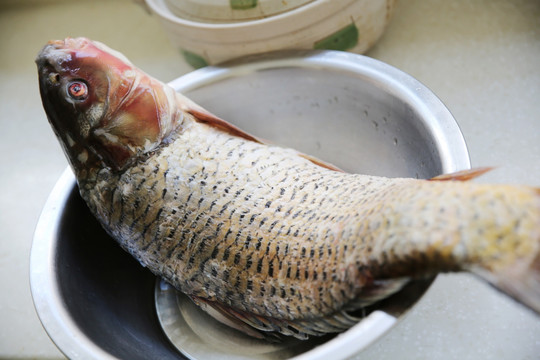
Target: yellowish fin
[464, 175]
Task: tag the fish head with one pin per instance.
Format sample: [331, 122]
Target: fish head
[104, 111]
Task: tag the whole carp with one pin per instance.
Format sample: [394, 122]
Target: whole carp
[265, 238]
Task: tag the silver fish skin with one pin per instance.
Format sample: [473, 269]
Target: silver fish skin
[273, 240]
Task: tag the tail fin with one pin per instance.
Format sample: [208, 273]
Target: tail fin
[520, 281]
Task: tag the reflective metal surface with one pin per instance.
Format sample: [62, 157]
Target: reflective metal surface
[95, 301]
[353, 111]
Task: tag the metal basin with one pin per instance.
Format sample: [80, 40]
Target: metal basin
[362, 115]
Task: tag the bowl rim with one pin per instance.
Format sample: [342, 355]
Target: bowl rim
[46, 293]
[45, 290]
[436, 117]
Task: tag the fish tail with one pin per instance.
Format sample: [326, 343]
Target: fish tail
[520, 281]
[519, 275]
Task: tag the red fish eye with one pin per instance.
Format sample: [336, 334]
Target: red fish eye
[78, 90]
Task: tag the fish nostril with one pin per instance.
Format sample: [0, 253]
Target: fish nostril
[54, 78]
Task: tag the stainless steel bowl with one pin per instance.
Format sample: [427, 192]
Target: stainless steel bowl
[362, 115]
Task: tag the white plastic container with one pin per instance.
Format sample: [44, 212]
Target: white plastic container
[213, 11]
[348, 25]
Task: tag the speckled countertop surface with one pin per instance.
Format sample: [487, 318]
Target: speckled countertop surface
[482, 58]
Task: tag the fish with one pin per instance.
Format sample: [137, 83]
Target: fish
[266, 239]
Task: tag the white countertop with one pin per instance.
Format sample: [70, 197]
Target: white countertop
[481, 58]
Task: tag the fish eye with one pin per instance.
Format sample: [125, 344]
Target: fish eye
[78, 90]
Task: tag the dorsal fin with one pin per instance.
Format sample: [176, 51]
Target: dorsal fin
[206, 117]
[210, 119]
[463, 175]
[320, 162]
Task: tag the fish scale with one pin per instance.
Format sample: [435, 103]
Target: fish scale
[205, 245]
[260, 236]
[227, 250]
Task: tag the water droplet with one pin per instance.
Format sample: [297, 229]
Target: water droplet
[395, 141]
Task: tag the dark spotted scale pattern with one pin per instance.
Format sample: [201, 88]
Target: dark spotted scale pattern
[225, 220]
[262, 230]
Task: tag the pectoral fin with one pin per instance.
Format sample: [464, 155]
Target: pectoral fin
[262, 327]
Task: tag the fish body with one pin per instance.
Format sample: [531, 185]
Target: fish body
[264, 237]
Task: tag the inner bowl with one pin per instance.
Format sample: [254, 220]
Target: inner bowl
[357, 113]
